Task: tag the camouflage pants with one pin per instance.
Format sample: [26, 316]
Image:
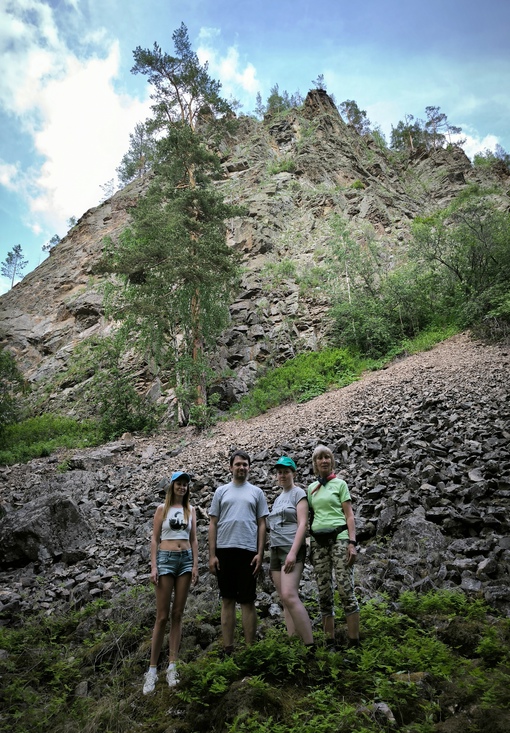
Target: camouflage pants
[325, 560]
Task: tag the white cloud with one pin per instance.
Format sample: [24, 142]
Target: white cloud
[9, 176]
[227, 68]
[475, 144]
[79, 123]
[84, 134]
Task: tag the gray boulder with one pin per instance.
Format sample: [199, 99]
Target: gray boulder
[48, 528]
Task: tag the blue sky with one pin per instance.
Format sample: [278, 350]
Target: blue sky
[68, 100]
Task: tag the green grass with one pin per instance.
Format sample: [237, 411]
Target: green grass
[312, 373]
[410, 660]
[40, 436]
[302, 378]
[284, 165]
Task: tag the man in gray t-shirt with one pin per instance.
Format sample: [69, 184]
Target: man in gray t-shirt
[237, 535]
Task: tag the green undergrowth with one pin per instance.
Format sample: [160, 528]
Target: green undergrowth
[302, 378]
[431, 663]
[312, 373]
[40, 436]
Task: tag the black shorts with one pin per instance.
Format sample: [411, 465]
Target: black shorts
[235, 575]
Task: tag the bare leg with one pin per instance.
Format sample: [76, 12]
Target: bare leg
[328, 624]
[249, 614]
[228, 621]
[353, 625]
[296, 616]
[181, 588]
[163, 595]
[276, 575]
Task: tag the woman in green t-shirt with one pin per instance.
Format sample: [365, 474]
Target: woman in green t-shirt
[333, 544]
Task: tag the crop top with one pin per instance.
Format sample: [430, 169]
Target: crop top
[174, 526]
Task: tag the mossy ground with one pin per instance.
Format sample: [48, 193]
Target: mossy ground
[427, 664]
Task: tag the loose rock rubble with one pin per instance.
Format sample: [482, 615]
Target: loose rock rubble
[424, 446]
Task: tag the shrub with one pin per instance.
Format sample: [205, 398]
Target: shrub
[11, 386]
[283, 165]
[358, 185]
[302, 378]
[40, 436]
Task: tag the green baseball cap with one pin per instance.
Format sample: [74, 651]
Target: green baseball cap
[287, 462]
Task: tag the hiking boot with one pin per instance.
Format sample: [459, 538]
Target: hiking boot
[331, 646]
[149, 680]
[226, 652]
[171, 676]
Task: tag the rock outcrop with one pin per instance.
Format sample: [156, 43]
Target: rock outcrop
[291, 173]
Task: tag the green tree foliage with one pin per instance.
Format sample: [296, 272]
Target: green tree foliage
[138, 160]
[497, 160]
[319, 83]
[437, 128]
[375, 307]
[435, 132]
[457, 275]
[407, 135]
[260, 109]
[379, 137]
[355, 116]
[181, 86]
[466, 248]
[11, 387]
[14, 264]
[279, 102]
[107, 189]
[51, 243]
[176, 269]
[121, 408]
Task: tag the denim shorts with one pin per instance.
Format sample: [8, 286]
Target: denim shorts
[174, 562]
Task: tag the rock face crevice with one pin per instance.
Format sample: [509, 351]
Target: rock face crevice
[424, 446]
[291, 173]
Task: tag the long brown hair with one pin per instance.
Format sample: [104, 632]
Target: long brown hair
[170, 498]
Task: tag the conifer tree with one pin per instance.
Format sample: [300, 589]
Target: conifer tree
[355, 116]
[176, 268]
[14, 264]
[138, 160]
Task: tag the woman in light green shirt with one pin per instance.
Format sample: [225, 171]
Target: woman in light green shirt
[333, 544]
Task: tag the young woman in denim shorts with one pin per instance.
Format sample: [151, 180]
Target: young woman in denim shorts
[174, 567]
[287, 525]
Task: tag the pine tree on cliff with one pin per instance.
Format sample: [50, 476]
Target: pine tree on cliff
[176, 269]
[14, 264]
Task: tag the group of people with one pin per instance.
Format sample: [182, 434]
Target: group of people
[239, 519]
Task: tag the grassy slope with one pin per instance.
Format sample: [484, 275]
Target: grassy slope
[435, 662]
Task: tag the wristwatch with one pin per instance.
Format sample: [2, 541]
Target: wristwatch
[351, 542]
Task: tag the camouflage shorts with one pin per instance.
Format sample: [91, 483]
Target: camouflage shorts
[325, 560]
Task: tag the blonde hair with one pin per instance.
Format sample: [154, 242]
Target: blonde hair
[170, 498]
[322, 450]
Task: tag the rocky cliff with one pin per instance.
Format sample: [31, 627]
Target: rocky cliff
[291, 173]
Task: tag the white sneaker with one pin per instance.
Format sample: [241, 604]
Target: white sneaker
[171, 676]
[149, 681]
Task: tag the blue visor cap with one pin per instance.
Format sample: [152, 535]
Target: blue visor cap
[181, 474]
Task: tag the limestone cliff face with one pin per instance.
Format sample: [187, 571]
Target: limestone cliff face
[291, 173]
[58, 304]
